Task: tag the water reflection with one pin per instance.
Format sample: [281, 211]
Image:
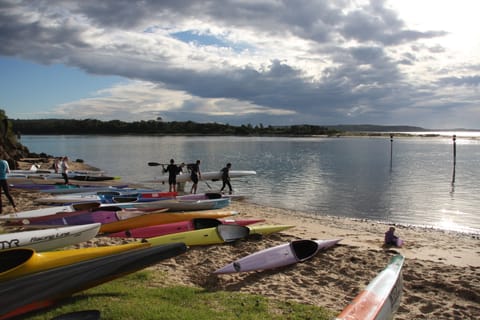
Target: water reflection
[407, 180]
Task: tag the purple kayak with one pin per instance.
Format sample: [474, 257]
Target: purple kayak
[83, 217]
[278, 256]
[182, 226]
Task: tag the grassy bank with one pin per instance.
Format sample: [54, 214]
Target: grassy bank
[138, 297]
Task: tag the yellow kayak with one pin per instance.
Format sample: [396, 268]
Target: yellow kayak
[219, 234]
[268, 229]
[24, 261]
[152, 219]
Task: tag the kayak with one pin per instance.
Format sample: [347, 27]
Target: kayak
[50, 211]
[278, 256]
[48, 187]
[49, 239]
[71, 175]
[264, 230]
[88, 188]
[381, 298]
[211, 195]
[106, 197]
[182, 226]
[211, 175]
[216, 235]
[23, 261]
[179, 205]
[100, 215]
[43, 289]
[152, 219]
[80, 177]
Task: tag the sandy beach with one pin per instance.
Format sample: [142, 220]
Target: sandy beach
[441, 273]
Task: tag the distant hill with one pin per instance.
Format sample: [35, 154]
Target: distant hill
[376, 128]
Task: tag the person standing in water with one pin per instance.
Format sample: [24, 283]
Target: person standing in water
[226, 178]
[4, 169]
[172, 170]
[195, 175]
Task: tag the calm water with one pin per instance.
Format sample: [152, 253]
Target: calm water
[411, 181]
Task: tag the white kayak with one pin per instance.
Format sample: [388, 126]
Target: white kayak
[210, 175]
[381, 298]
[49, 239]
[50, 210]
[278, 256]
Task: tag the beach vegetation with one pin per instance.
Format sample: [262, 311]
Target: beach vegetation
[144, 295]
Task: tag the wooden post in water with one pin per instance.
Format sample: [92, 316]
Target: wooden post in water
[391, 150]
[454, 138]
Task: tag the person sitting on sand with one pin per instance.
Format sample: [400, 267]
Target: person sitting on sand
[390, 237]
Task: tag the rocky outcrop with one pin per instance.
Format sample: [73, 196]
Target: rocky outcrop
[10, 149]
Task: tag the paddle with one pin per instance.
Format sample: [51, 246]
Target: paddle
[156, 164]
[207, 184]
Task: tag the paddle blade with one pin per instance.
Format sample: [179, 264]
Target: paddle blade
[154, 164]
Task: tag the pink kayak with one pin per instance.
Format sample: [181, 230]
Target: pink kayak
[278, 256]
[182, 226]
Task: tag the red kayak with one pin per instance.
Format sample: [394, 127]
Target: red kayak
[182, 226]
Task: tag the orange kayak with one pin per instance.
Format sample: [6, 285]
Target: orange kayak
[152, 219]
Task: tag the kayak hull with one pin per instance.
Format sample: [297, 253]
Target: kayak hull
[182, 226]
[86, 217]
[31, 292]
[211, 175]
[106, 197]
[278, 256]
[23, 261]
[50, 211]
[152, 219]
[217, 235]
[175, 205]
[49, 239]
[381, 298]
[209, 236]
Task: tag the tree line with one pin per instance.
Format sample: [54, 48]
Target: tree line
[92, 126]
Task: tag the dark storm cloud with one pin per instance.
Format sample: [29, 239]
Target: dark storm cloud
[364, 79]
[25, 36]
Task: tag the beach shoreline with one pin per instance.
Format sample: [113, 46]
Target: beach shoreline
[441, 272]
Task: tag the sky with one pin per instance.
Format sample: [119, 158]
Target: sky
[268, 62]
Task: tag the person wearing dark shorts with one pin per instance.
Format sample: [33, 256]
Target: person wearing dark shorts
[195, 175]
[172, 170]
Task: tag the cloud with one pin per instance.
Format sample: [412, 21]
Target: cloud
[277, 62]
[140, 100]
